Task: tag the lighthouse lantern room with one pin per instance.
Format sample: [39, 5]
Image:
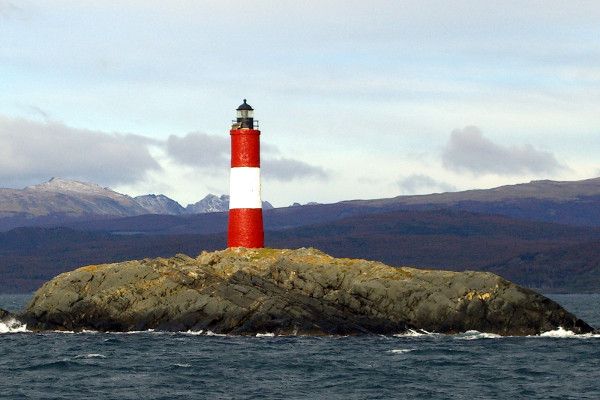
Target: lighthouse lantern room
[245, 116]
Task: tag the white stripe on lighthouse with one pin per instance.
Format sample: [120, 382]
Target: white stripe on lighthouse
[244, 188]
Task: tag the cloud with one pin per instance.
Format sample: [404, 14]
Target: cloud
[200, 150]
[32, 152]
[285, 169]
[212, 152]
[468, 150]
[9, 9]
[418, 183]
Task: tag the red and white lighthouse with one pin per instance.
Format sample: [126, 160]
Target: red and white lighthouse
[245, 204]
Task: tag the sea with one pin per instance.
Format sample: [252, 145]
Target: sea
[203, 365]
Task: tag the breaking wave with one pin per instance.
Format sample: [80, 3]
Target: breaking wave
[181, 365]
[11, 325]
[91, 355]
[475, 335]
[400, 351]
[413, 332]
[562, 333]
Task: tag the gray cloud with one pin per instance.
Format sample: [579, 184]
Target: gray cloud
[8, 9]
[33, 152]
[200, 150]
[212, 152]
[284, 169]
[468, 150]
[418, 183]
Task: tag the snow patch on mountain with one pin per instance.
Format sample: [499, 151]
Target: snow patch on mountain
[213, 203]
[58, 185]
[159, 204]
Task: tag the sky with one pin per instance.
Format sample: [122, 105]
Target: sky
[355, 99]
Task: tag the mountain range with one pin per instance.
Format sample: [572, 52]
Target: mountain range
[60, 200]
[82, 205]
[571, 203]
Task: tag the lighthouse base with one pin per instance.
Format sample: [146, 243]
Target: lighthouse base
[245, 228]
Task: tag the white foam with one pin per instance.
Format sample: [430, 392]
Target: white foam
[562, 333]
[412, 332]
[11, 325]
[83, 332]
[265, 335]
[400, 351]
[190, 332]
[91, 355]
[558, 333]
[475, 335]
[211, 333]
[154, 332]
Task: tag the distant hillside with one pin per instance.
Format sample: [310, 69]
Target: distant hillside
[434, 239]
[207, 223]
[569, 268]
[31, 256]
[571, 203]
[453, 240]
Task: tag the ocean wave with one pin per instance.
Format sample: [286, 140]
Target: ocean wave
[400, 351]
[14, 326]
[179, 365]
[413, 332]
[11, 325]
[562, 333]
[558, 333]
[265, 335]
[203, 333]
[190, 332]
[475, 335]
[91, 355]
[83, 332]
[211, 333]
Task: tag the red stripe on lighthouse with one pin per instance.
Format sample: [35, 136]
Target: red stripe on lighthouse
[245, 228]
[245, 148]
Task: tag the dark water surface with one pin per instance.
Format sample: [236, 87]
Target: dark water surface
[152, 365]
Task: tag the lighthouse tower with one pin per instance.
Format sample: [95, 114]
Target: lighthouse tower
[245, 204]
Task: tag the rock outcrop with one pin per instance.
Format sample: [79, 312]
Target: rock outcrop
[304, 291]
[4, 314]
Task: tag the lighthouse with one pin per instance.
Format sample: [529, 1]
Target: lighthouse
[245, 204]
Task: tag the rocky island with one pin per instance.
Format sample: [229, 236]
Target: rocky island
[305, 291]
